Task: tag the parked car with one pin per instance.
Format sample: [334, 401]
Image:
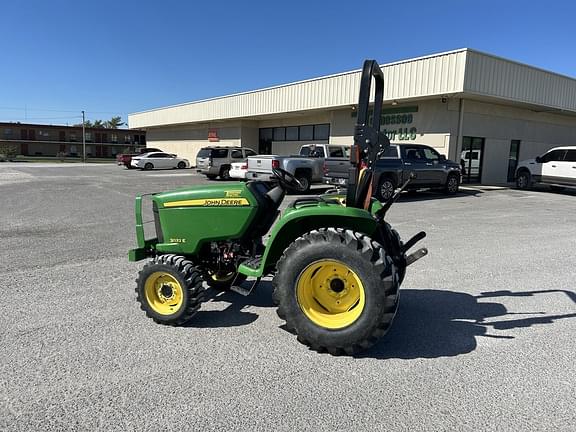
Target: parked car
[216, 161]
[556, 167]
[159, 160]
[307, 166]
[432, 170]
[239, 170]
[126, 158]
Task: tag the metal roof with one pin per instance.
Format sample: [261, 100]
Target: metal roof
[463, 71]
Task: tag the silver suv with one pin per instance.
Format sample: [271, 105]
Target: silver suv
[217, 161]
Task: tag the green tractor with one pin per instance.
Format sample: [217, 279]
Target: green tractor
[337, 265]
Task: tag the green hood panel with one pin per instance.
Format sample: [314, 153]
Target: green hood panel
[192, 216]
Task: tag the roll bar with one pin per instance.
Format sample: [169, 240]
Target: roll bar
[368, 140]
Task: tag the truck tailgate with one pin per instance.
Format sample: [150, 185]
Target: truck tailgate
[336, 167]
[261, 163]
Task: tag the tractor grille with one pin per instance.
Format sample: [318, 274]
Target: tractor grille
[157, 225]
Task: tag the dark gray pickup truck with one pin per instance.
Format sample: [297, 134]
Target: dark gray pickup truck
[394, 167]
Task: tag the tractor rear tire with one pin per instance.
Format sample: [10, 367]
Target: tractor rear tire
[337, 290]
[169, 289]
[401, 269]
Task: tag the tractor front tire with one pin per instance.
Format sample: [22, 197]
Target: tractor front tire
[169, 289]
[337, 290]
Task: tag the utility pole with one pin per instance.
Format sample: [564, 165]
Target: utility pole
[83, 137]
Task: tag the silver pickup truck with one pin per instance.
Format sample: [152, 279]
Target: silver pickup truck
[307, 167]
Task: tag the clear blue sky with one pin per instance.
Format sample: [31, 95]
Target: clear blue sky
[117, 57]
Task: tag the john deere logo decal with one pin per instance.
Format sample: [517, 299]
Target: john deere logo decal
[210, 202]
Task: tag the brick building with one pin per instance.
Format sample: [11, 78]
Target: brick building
[49, 140]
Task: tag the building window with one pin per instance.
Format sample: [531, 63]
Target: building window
[7, 133]
[307, 133]
[322, 132]
[127, 139]
[279, 134]
[319, 132]
[72, 137]
[43, 134]
[114, 138]
[292, 133]
[88, 136]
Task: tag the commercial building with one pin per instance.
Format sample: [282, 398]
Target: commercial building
[485, 111]
[50, 140]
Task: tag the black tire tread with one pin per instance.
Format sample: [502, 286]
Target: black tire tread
[193, 279]
[382, 264]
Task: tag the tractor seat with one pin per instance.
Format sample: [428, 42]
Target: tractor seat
[269, 200]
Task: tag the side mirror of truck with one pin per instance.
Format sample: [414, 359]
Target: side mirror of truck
[441, 158]
[538, 159]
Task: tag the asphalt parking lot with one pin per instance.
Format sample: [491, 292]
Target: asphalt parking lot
[483, 340]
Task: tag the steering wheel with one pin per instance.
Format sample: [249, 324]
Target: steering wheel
[288, 180]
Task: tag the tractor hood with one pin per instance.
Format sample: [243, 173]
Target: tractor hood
[227, 195]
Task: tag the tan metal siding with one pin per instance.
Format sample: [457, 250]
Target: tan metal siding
[427, 76]
[492, 76]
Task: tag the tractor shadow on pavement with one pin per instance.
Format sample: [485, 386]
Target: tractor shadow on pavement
[237, 312]
[436, 323]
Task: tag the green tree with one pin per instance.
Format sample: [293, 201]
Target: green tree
[114, 123]
[98, 124]
[87, 124]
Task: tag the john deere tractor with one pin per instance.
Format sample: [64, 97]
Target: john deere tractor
[337, 265]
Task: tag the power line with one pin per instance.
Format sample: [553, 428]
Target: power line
[54, 110]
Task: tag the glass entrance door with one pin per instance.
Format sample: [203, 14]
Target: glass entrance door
[471, 159]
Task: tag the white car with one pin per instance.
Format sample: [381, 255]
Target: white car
[158, 160]
[556, 167]
[239, 170]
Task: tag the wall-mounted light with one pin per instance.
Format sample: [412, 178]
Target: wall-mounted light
[444, 99]
[394, 102]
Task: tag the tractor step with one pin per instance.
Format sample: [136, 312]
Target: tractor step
[243, 291]
[253, 263]
[415, 256]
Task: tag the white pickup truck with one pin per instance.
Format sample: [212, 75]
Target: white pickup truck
[556, 167]
[307, 167]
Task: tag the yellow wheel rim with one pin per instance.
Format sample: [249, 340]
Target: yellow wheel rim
[163, 293]
[330, 294]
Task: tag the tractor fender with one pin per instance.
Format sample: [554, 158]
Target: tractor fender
[297, 221]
